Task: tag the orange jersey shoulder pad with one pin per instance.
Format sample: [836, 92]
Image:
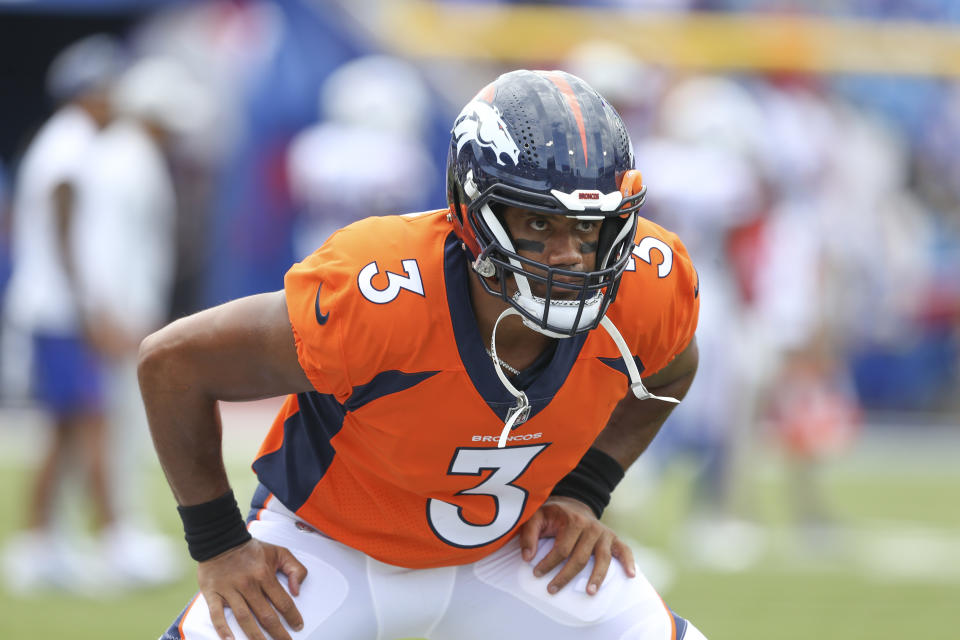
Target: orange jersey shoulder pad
[658, 302]
[369, 287]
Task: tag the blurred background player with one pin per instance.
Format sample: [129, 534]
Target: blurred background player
[366, 156]
[703, 132]
[43, 303]
[109, 247]
[127, 213]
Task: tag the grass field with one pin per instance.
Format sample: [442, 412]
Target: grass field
[890, 572]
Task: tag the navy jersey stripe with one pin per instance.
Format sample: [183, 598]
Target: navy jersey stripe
[292, 471]
[618, 364]
[383, 384]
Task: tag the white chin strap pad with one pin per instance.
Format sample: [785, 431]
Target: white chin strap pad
[561, 315]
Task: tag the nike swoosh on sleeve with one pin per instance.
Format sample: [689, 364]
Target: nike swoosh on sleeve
[321, 317]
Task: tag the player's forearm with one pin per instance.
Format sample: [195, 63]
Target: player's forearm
[241, 350]
[184, 423]
[633, 426]
[634, 423]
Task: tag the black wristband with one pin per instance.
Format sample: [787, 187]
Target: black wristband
[592, 481]
[210, 528]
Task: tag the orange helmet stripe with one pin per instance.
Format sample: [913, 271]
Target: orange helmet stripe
[557, 78]
[488, 93]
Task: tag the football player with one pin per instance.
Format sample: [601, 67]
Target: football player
[464, 389]
[43, 302]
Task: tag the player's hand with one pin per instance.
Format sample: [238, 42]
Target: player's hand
[245, 579]
[578, 535]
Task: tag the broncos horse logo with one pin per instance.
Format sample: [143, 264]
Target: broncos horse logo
[481, 122]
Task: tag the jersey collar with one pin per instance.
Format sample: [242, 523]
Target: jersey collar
[540, 386]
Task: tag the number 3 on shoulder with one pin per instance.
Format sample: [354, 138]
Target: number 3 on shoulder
[409, 280]
[642, 251]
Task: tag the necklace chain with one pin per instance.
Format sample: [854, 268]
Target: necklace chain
[507, 367]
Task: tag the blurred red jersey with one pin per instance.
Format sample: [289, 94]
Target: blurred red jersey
[395, 453]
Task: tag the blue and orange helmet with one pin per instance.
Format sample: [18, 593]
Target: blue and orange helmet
[544, 141]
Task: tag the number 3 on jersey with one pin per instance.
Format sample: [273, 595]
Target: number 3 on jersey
[507, 465]
[410, 280]
[642, 251]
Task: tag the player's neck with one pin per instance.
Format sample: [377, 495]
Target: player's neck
[517, 345]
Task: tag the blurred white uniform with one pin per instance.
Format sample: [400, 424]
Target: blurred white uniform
[126, 209]
[367, 157]
[125, 220]
[704, 184]
[341, 173]
[40, 296]
[727, 194]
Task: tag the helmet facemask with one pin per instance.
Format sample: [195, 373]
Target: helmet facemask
[572, 301]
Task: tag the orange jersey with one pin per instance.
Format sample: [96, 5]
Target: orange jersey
[395, 453]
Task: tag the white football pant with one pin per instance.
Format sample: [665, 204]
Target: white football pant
[349, 596]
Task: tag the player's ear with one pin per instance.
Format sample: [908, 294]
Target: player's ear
[631, 183]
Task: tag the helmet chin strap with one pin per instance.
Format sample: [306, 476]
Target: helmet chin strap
[519, 414]
[636, 384]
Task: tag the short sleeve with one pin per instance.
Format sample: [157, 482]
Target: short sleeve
[686, 311]
[66, 152]
[317, 292]
[664, 299]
